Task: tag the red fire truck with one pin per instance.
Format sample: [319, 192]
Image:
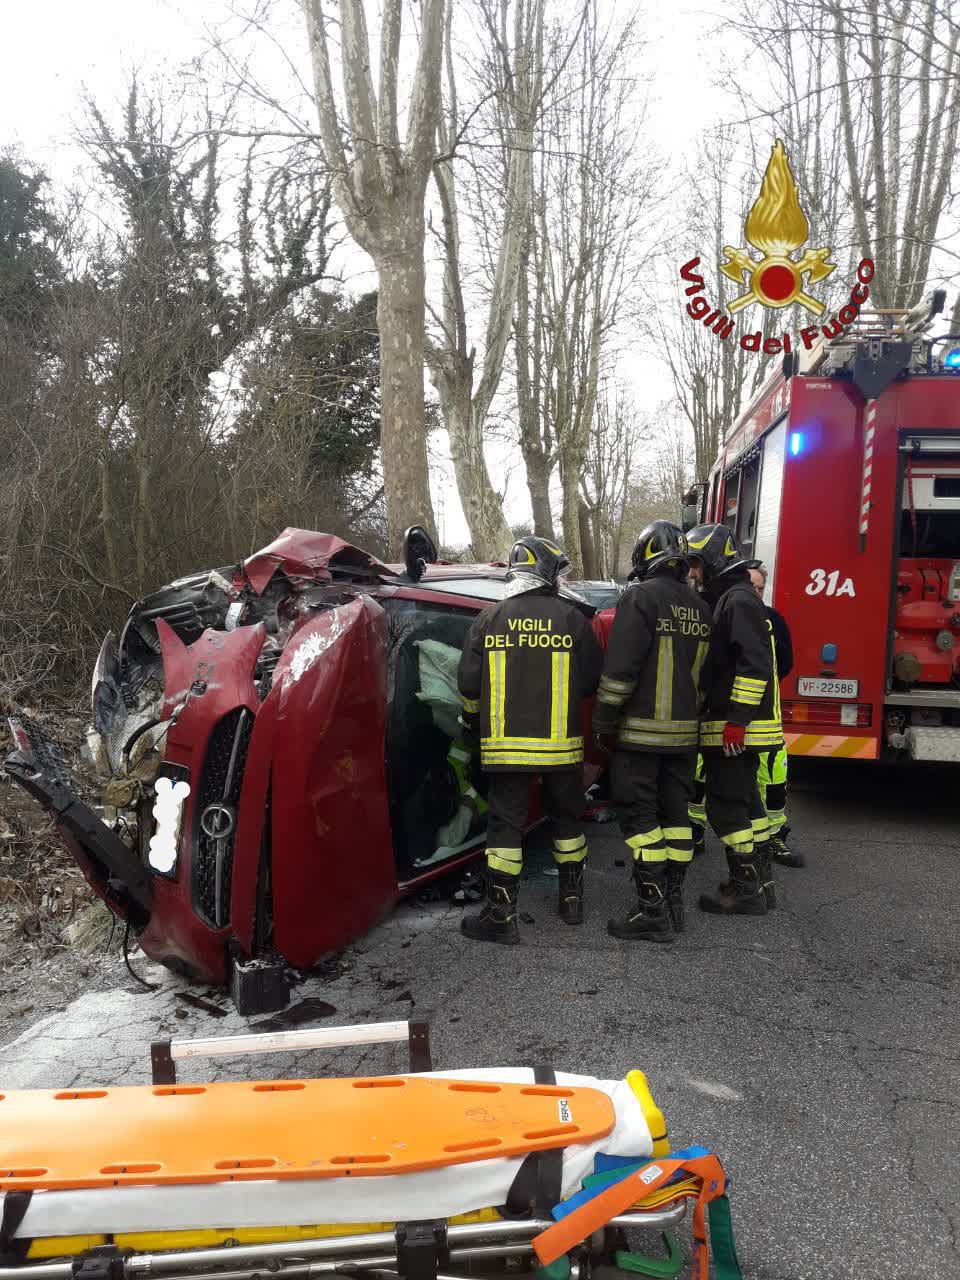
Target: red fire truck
[843, 478]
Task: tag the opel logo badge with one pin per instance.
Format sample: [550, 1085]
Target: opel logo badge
[217, 821]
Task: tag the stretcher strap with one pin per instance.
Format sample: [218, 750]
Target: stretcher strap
[539, 1180]
[15, 1206]
[657, 1268]
[597, 1212]
[725, 1261]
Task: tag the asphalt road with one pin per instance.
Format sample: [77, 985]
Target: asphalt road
[817, 1051]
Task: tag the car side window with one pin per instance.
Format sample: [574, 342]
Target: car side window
[436, 811]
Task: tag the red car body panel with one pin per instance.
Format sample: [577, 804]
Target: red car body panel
[224, 661]
[333, 868]
[302, 553]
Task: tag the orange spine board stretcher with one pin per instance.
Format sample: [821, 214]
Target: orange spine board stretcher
[282, 1129]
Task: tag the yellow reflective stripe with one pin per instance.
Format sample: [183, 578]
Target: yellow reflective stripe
[575, 855]
[698, 661]
[677, 833]
[514, 758]
[509, 861]
[611, 699]
[658, 726]
[470, 704]
[547, 744]
[746, 699]
[558, 702]
[645, 838]
[498, 672]
[753, 680]
[776, 681]
[736, 839]
[625, 687]
[663, 701]
[568, 846]
[654, 740]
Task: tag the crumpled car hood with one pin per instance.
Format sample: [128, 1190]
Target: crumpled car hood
[303, 553]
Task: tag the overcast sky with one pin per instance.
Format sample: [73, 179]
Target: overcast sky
[53, 49]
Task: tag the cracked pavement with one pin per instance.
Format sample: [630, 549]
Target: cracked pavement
[817, 1050]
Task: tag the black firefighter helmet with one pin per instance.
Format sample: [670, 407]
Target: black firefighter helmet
[715, 546]
[539, 557]
[661, 547]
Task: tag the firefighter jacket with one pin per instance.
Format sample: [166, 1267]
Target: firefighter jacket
[650, 691]
[528, 663]
[741, 684]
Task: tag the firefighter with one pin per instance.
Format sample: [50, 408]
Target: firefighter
[772, 772]
[528, 663]
[646, 711]
[741, 718]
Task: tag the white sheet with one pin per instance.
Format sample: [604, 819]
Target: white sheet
[436, 1193]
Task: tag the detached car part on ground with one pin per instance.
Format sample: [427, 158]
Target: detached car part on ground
[278, 752]
[426, 1176]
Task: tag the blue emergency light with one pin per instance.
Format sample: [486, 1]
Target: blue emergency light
[828, 653]
[796, 442]
[952, 359]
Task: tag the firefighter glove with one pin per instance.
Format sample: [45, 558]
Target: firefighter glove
[733, 738]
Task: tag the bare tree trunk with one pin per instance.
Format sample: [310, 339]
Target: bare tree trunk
[570, 485]
[588, 551]
[380, 186]
[537, 460]
[538, 484]
[400, 321]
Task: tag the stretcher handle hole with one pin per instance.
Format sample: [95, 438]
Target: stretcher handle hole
[378, 1159]
[131, 1168]
[379, 1084]
[279, 1086]
[23, 1173]
[560, 1131]
[478, 1144]
[250, 1162]
[546, 1091]
[462, 1086]
[175, 1091]
[77, 1095]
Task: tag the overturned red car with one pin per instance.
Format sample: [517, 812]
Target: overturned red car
[279, 754]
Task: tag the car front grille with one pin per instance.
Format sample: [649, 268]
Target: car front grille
[215, 815]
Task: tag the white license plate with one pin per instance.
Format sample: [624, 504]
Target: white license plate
[827, 687]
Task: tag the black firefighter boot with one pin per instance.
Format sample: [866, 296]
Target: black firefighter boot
[742, 895]
[570, 904]
[496, 921]
[676, 873]
[762, 853]
[648, 920]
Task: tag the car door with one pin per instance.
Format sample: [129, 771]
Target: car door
[331, 858]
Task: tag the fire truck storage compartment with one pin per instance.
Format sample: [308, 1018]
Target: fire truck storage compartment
[769, 502]
[925, 648]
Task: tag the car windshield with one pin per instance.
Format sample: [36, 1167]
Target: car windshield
[473, 587]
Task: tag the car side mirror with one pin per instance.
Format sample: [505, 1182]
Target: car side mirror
[688, 518]
[418, 551]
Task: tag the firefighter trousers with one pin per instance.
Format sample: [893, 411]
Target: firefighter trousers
[697, 807]
[651, 793]
[508, 796]
[772, 781]
[733, 803]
